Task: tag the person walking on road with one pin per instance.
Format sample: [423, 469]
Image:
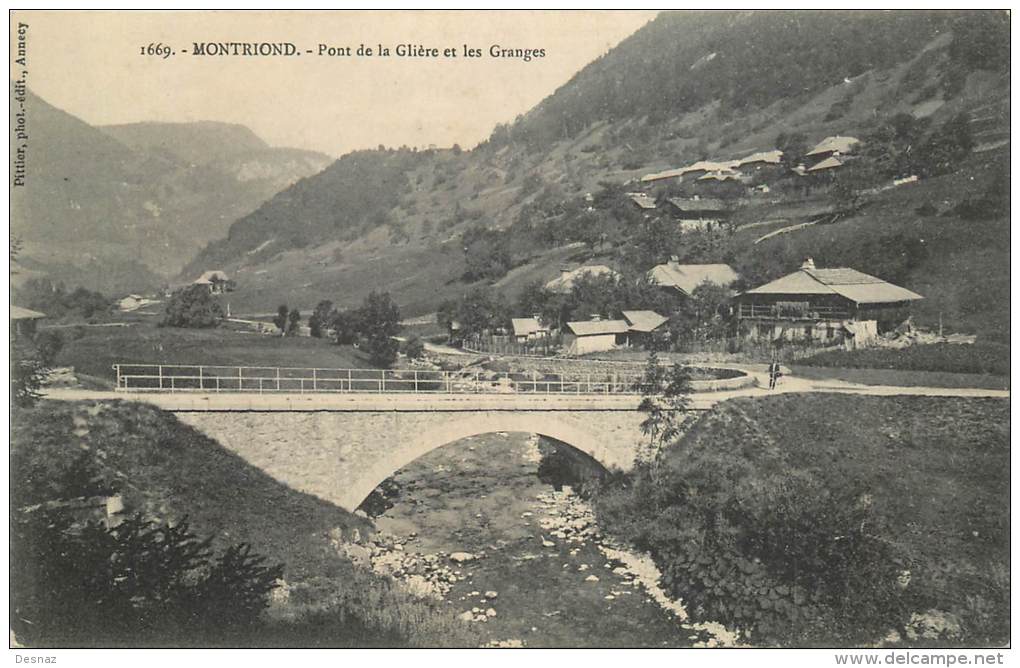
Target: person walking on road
[774, 373]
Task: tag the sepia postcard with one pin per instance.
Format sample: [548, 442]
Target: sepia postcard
[430, 329]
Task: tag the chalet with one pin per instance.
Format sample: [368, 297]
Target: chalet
[592, 336]
[644, 326]
[23, 322]
[216, 280]
[642, 201]
[564, 283]
[831, 147]
[825, 306]
[826, 165]
[698, 213]
[683, 278]
[760, 159]
[528, 329]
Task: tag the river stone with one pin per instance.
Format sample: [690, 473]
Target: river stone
[466, 616]
[461, 557]
[491, 594]
[591, 578]
[490, 613]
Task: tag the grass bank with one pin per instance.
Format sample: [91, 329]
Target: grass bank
[902, 378]
[978, 358]
[817, 503]
[168, 472]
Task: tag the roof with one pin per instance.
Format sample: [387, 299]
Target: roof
[642, 200]
[597, 327]
[209, 276]
[773, 157]
[565, 283]
[644, 321]
[703, 204]
[18, 313]
[725, 175]
[526, 326]
[699, 166]
[854, 285]
[828, 163]
[834, 144]
[686, 277]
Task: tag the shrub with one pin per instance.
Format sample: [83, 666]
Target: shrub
[192, 306]
[413, 347]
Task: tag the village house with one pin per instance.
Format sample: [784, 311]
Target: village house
[643, 201]
[831, 147]
[23, 322]
[698, 213]
[217, 281]
[528, 329]
[595, 335]
[684, 278]
[823, 306]
[564, 283]
[644, 327]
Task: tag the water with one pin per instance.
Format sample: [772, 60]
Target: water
[535, 570]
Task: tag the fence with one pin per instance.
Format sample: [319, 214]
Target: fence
[543, 346]
[262, 380]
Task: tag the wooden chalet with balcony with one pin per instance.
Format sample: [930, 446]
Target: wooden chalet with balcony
[837, 306]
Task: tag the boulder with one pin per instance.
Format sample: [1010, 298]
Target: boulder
[461, 557]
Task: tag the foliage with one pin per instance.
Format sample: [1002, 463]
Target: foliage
[413, 347]
[293, 322]
[137, 577]
[478, 311]
[379, 320]
[665, 402]
[192, 306]
[48, 345]
[980, 358]
[486, 253]
[319, 321]
[27, 374]
[280, 319]
[41, 294]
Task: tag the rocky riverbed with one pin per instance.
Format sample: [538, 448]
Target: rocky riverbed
[471, 524]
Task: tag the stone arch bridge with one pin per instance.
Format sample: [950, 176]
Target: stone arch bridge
[340, 447]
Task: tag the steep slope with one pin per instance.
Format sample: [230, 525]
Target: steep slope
[125, 215]
[194, 143]
[688, 86]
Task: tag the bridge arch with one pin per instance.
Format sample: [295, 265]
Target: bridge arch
[410, 447]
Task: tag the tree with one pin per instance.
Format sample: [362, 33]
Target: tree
[318, 322]
[413, 347]
[192, 306]
[293, 322]
[666, 403]
[280, 320]
[380, 322]
[794, 146]
[486, 253]
[346, 324]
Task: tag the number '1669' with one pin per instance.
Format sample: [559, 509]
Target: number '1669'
[157, 49]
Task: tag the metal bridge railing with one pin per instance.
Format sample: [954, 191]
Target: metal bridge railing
[262, 380]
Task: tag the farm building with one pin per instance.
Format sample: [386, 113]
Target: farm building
[592, 336]
[824, 306]
[685, 277]
[698, 213]
[643, 326]
[23, 322]
[528, 329]
[642, 201]
[217, 280]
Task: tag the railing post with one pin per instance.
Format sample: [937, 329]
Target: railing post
[201, 380]
[161, 376]
[277, 379]
[217, 383]
[240, 378]
[416, 381]
[260, 384]
[350, 381]
[588, 382]
[382, 380]
[116, 367]
[171, 384]
[315, 380]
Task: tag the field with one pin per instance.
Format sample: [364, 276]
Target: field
[98, 349]
[170, 472]
[990, 359]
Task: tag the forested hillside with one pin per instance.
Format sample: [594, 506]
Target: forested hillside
[926, 92]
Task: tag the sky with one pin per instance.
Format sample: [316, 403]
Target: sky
[90, 65]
